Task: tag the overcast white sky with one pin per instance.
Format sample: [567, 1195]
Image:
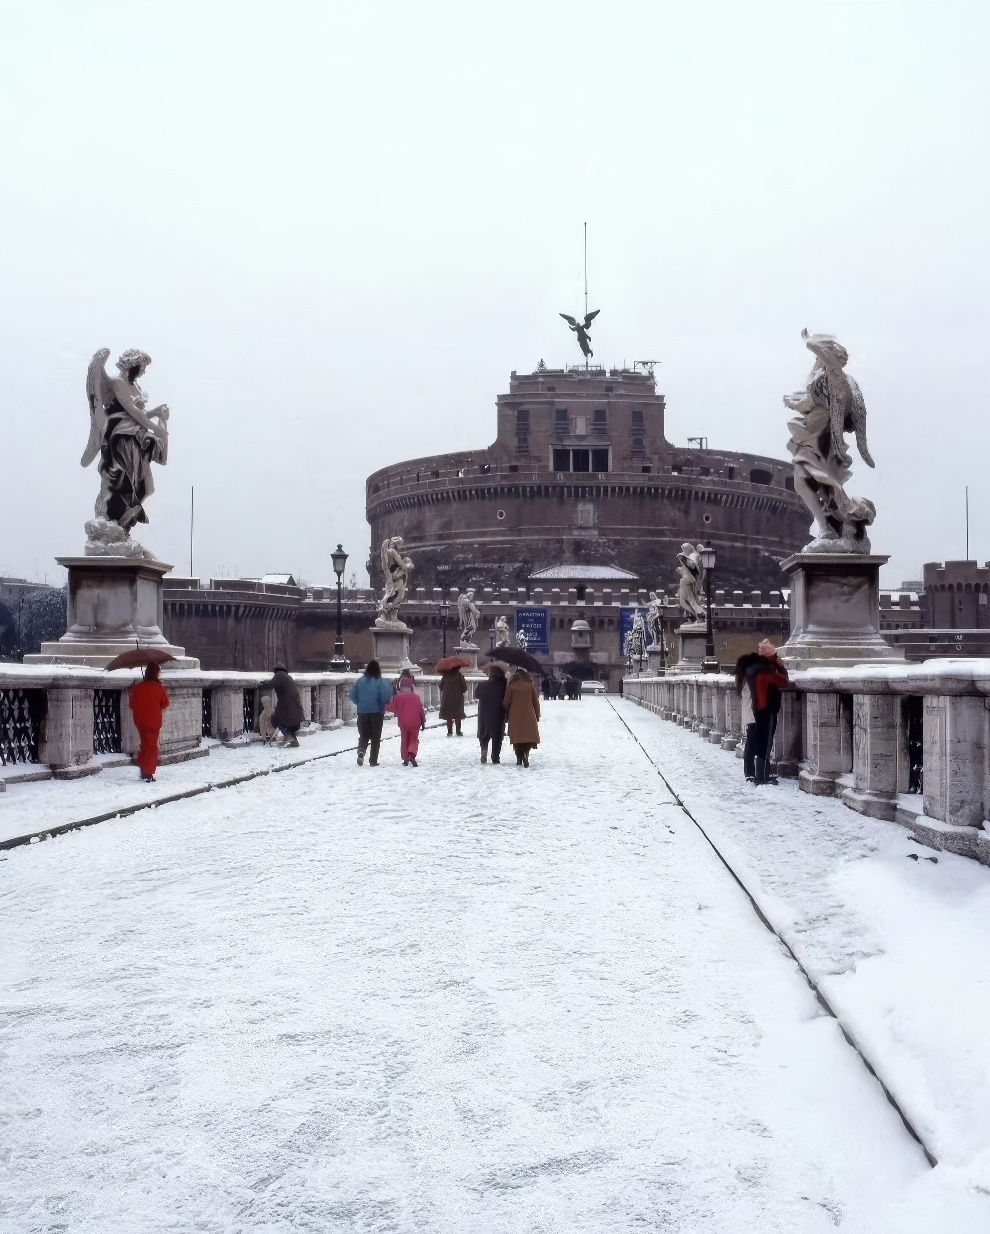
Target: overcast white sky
[337, 227]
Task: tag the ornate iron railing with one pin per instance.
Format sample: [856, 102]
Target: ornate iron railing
[249, 711]
[207, 725]
[21, 716]
[916, 743]
[106, 721]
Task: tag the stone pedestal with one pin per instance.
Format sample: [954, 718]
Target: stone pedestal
[469, 652]
[656, 657]
[692, 636]
[114, 604]
[835, 611]
[390, 647]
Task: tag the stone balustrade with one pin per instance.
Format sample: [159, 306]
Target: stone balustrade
[908, 743]
[56, 719]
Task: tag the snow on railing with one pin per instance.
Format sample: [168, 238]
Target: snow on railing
[908, 743]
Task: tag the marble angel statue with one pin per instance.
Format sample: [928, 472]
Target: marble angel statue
[654, 620]
[468, 615]
[502, 636]
[397, 570]
[636, 642]
[830, 406]
[126, 439]
[690, 588]
[522, 640]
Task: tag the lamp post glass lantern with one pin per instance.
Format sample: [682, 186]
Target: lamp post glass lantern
[707, 558]
[339, 663]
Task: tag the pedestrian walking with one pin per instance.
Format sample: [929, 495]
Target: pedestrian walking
[453, 687]
[747, 719]
[147, 701]
[765, 677]
[287, 715]
[408, 709]
[370, 695]
[491, 714]
[546, 689]
[522, 706]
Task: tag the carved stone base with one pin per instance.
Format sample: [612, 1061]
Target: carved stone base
[656, 658]
[114, 604]
[692, 636]
[390, 647]
[835, 611]
[469, 652]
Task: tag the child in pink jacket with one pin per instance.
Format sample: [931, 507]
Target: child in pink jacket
[408, 709]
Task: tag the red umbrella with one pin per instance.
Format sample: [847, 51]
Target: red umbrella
[138, 657]
[452, 662]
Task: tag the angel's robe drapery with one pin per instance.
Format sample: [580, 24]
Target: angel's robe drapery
[126, 455]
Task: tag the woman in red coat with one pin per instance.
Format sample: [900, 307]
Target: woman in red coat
[148, 700]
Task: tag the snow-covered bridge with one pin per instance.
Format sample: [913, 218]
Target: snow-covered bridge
[476, 998]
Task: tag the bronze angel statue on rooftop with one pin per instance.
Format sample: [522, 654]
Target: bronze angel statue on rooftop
[830, 406]
[125, 439]
[581, 330]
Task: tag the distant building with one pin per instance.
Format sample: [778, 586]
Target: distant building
[581, 472]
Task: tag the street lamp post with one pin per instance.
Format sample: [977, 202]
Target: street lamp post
[339, 663]
[444, 610]
[707, 558]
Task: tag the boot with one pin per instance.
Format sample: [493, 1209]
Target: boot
[293, 742]
[412, 759]
[525, 758]
[761, 771]
[450, 728]
[459, 733]
[360, 758]
[484, 753]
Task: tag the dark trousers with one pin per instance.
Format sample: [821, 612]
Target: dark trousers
[496, 747]
[766, 729]
[749, 753]
[370, 730]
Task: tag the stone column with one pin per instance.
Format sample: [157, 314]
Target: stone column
[956, 746]
[228, 714]
[826, 749]
[706, 721]
[733, 719]
[67, 747]
[789, 741]
[874, 756]
[326, 704]
[347, 710]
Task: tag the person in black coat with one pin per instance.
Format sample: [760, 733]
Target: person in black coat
[491, 715]
[288, 716]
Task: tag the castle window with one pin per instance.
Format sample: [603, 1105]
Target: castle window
[561, 460]
[758, 476]
[580, 460]
[599, 460]
[638, 446]
[730, 473]
[552, 389]
[561, 420]
[789, 483]
[513, 466]
[676, 469]
[608, 389]
[522, 431]
[599, 423]
[637, 418]
[647, 469]
[706, 471]
[581, 592]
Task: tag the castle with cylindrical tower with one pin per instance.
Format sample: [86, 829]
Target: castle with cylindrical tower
[581, 472]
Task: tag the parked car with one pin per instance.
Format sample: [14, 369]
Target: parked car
[592, 687]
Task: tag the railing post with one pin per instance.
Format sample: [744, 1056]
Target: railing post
[68, 744]
[326, 703]
[828, 754]
[956, 744]
[228, 714]
[874, 756]
[789, 741]
[733, 719]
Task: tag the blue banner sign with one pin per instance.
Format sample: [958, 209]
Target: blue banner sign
[626, 616]
[535, 624]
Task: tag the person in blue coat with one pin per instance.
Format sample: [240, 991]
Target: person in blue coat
[370, 694]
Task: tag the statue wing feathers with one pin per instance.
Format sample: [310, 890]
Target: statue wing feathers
[591, 317]
[98, 397]
[570, 320]
[857, 410]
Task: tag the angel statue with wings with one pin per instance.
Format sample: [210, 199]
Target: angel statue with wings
[830, 406]
[126, 439]
[581, 330]
[397, 570]
[468, 614]
[691, 584]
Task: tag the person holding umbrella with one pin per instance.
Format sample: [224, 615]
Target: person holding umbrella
[453, 687]
[491, 713]
[522, 705]
[147, 701]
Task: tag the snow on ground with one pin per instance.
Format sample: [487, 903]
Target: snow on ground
[452, 999]
[26, 808]
[897, 942]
